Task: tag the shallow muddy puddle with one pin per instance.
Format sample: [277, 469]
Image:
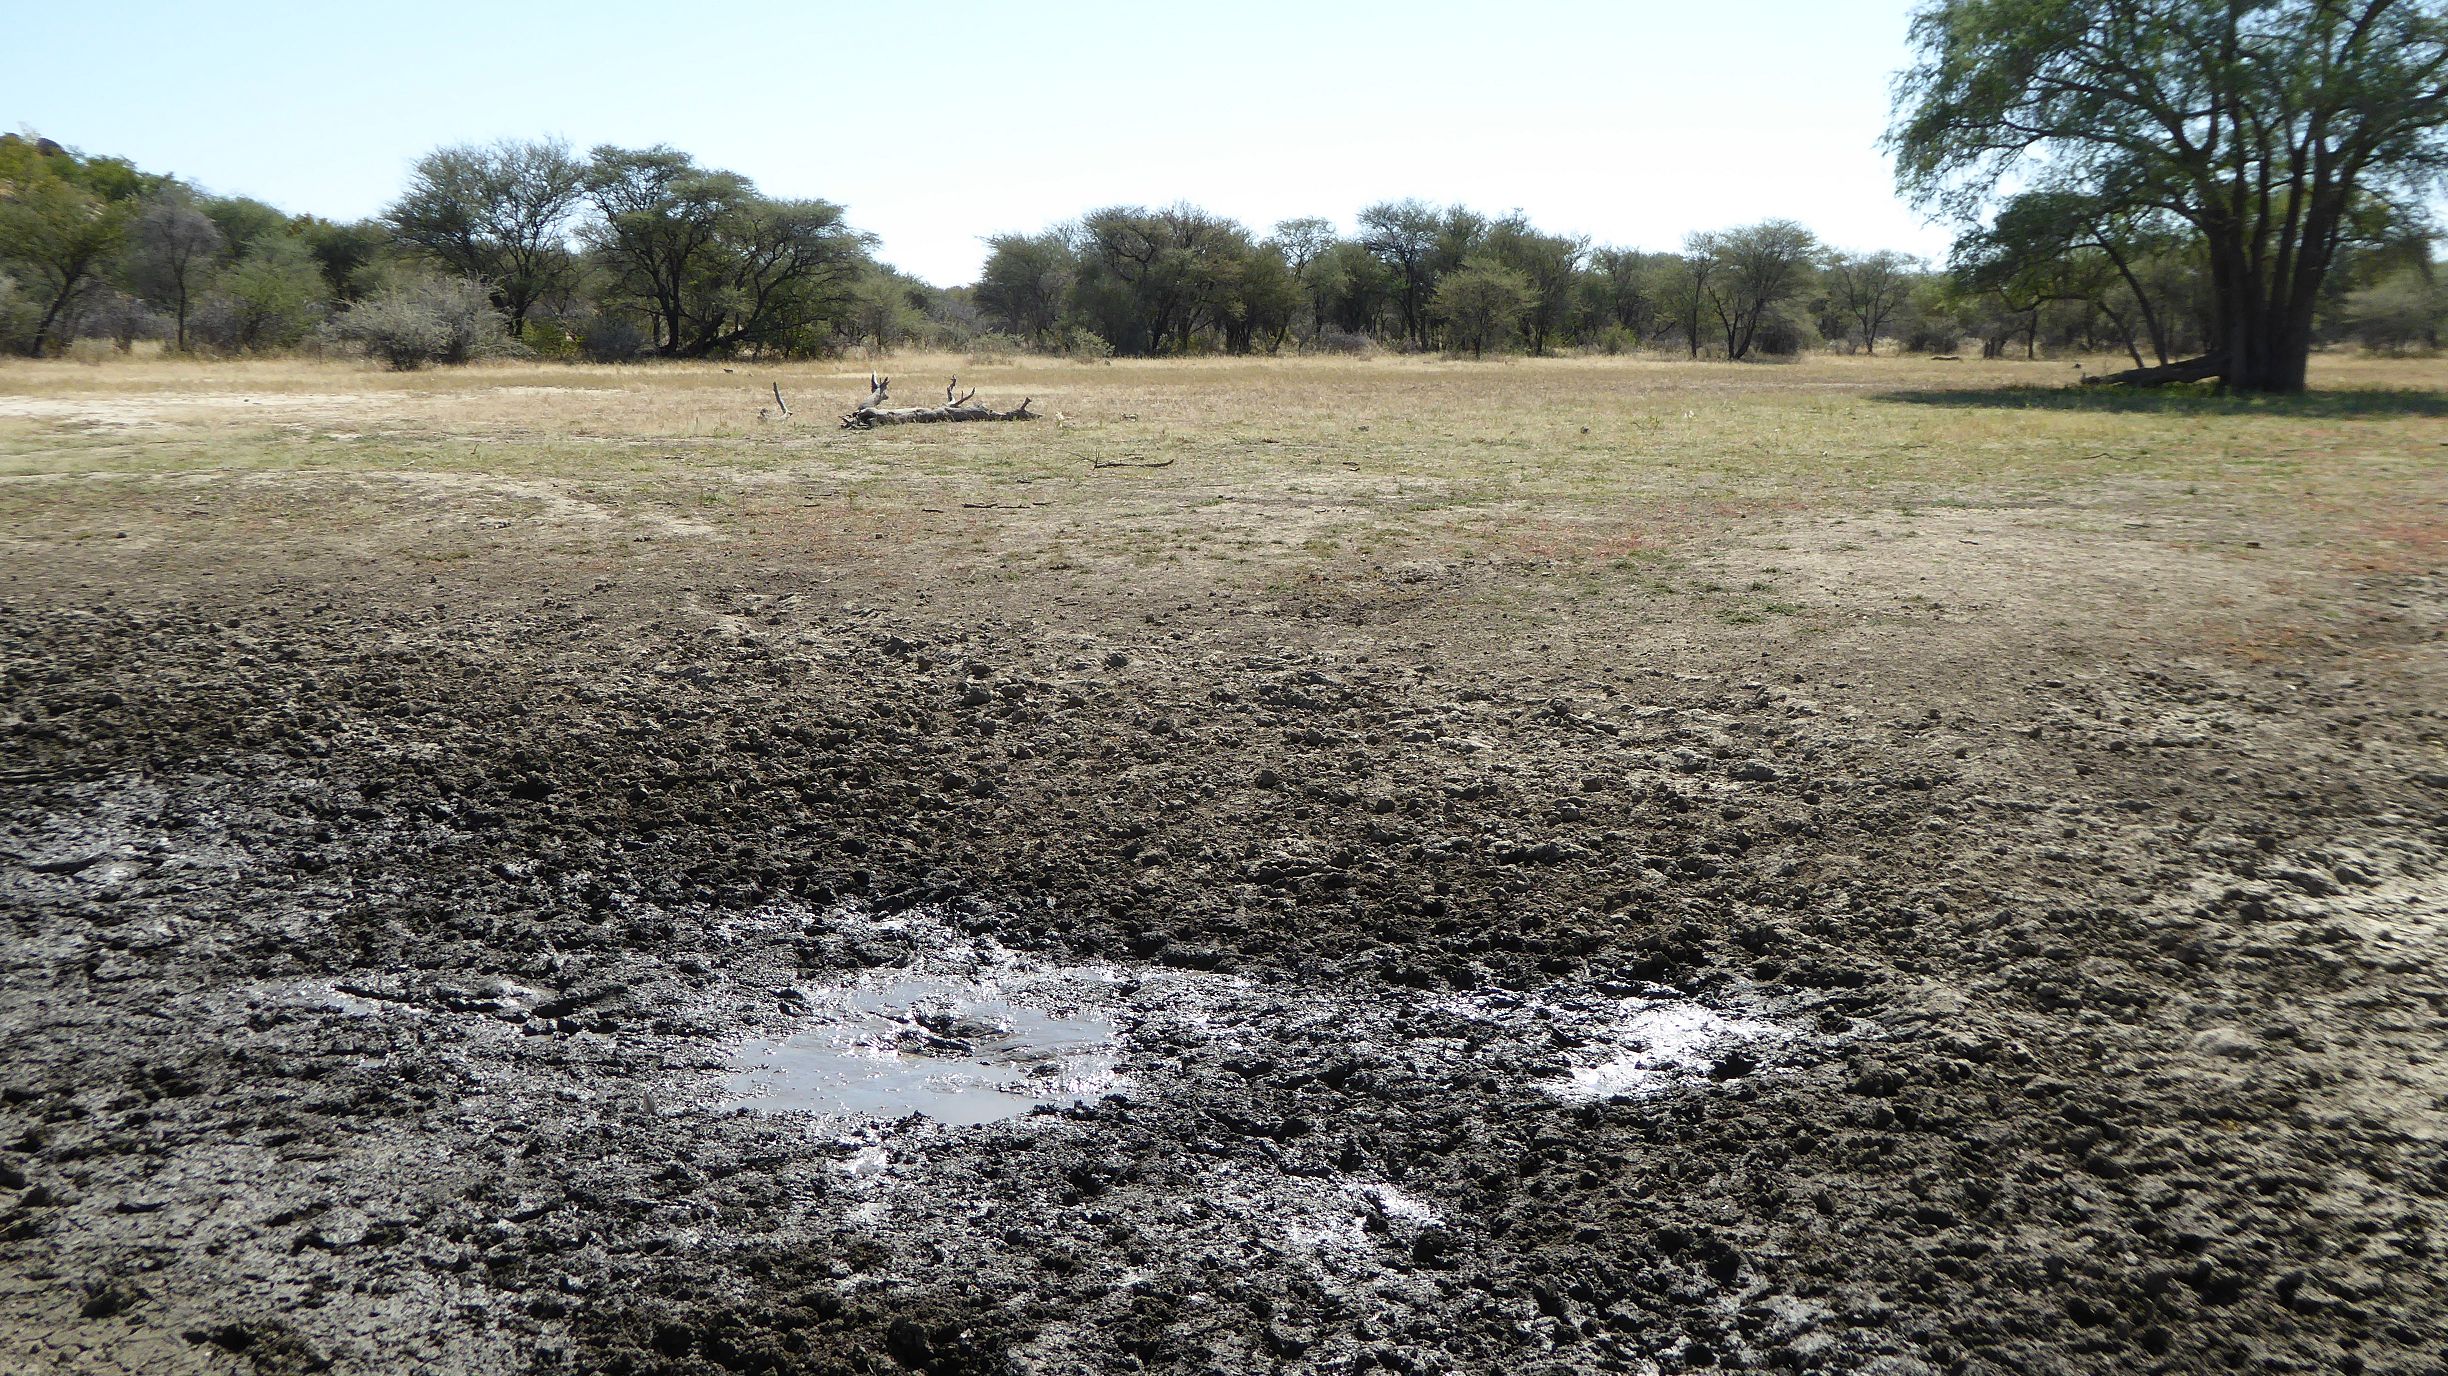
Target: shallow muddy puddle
[956, 1053]
[964, 1032]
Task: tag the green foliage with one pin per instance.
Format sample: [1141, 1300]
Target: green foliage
[497, 213]
[994, 346]
[1084, 346]
[18, 315]
[1407, 236]
[62, 220]
[713, 264]
[2139, 269]
[1151, 280]
[1304, 244]
[1747, 278]
[2407, 309]
[614, 337]
[243, 223]
[1258, 300]
[172, 254]
[1482, 302]
[1550, 264]
[271, 298]
[884, 308]
[551, 339]
[352, 255]
[1866, 290]
[2279, 131]
[1026, 282]
[1620, 297]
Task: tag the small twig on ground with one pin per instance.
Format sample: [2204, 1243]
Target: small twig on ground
[1129, 463]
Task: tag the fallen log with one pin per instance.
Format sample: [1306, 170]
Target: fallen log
[871, 413]
[2166, 374]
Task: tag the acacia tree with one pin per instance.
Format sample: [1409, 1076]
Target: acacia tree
[1870, 287]
[1756, 269]
[1481, 302]
[497, 213]
[1026, 280]
[1404, 236]
[1258, 299]
[1160, 275]
[2268, 125]
[62, 220]
[1304, 244]
[1550, 264]
[271, 298]
[176, 246]
[2048, 246]
[1617, 292]
[1684, 284]
[712, 263]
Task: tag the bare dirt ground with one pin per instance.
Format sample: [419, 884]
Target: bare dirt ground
[1552, 867]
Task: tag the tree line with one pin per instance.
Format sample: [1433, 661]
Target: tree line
[1182, 280]
[2225, 184]
[514, 246]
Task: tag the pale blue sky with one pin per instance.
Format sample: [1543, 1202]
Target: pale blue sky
[1632, 122]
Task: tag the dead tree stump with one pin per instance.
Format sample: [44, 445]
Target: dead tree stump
[871, 412]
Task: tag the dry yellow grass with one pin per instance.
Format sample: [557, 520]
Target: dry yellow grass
[1266, 469]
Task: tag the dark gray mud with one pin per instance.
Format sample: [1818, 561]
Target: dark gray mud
[378, 973]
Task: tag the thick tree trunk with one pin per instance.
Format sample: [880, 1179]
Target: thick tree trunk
[50, 317]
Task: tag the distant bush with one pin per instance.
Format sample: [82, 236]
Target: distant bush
[2401, 312]
[17, 316]
[107, 314]
[551, 339]
[272, 298]
[1084, 346]
[1785, 334]
[612, 338]
[1618, 340]
[994, 347]
[438, 320]
[1344, 342]
[1937, 336]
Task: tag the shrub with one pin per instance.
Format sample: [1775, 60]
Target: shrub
[994, 347]
[115, 316]
[612, 338]
[1482, 301]
[1618, 340]
[1346, 342]
[2400, 312]
[17, 317]
[550, 339]
[1084, 346]
[270, 299]
[439, 320]
[1784, 334]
